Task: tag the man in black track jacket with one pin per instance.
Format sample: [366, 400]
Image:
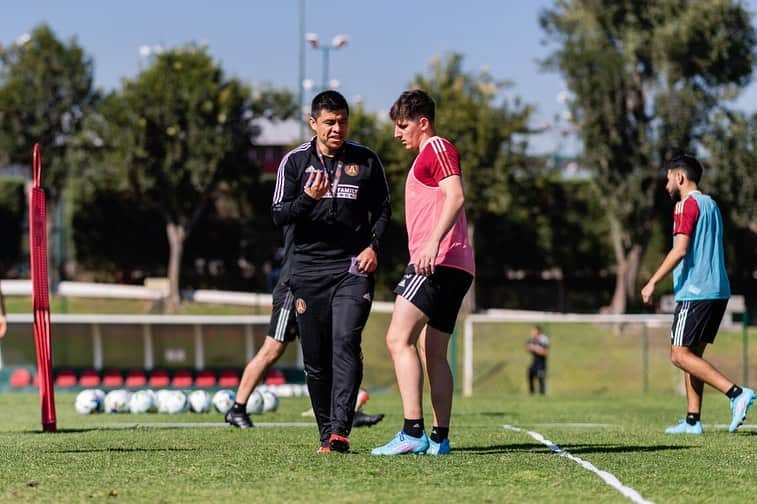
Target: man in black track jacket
[335, 194]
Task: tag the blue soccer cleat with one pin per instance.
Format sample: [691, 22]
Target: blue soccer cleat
[739, 406]
[684, 428]
[435, 448]
[403, 443]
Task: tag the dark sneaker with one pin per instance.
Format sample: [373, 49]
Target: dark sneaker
[239, 419]
[364, 420]
[339, 443]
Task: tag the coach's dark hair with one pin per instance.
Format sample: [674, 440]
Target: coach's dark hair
[689, 164]
[328, 100]
[413, 105]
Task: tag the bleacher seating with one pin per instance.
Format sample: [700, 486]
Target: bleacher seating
[228, 378]
[182, 379]
[112, 378]
[136, 378]
[20, 378]
[65, 379]
[205, 379]
[89, 379]
[275, 377]
[159, 379]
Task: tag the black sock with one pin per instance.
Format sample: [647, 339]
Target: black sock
[692, 418]
[413, 427]
[733, 391]
[238, 407]
[439, 434]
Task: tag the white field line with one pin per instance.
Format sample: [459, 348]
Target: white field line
[726, 426]
[192, 425]
[609, 478]
[580, 425]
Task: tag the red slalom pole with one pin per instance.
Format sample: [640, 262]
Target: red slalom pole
[40, 298]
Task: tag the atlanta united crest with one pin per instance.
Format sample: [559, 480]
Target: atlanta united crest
[351, 170]
[300, 306]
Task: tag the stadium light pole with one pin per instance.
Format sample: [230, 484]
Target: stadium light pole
[301, 76]
[337, 42]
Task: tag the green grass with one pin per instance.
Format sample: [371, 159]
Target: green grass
[86, 462]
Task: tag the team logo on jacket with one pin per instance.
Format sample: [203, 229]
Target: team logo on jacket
[351, 170]
[300, 306]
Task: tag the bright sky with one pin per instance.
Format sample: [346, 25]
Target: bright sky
[389, 41]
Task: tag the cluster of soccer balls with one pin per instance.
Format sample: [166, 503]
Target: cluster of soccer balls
[169, 401]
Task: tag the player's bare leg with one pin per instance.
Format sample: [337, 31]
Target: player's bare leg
[694, 386]
[268, 354]
[434, 344]
[687, 359]
[400, 340]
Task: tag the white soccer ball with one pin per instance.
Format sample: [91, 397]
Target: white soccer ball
[142, 401]
[199, 401]
[161, 397]
[255, 403]
[284, 390]
[89, 401]
[117, 401]
[270, 401]
[223, 400]
[175, 401]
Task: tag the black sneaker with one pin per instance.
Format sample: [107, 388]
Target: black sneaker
[239, 419]
[363, 420]
[339, 443]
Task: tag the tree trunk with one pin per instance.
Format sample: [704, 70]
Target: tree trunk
[176, 236]
[619, 296]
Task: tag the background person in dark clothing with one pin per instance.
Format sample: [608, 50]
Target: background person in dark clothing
[335, 194]
[538, 345]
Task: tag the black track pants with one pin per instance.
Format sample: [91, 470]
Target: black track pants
[331, 313]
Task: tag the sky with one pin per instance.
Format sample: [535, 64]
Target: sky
[390, 41]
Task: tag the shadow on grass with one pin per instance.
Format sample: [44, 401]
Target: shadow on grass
[120, 450]
[574, 448]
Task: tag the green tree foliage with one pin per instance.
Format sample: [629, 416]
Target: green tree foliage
[645, 77]
[45, 90]
[12, 203]
[172, 137]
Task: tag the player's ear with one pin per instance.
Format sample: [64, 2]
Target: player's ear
[313, 123]
[424, 123]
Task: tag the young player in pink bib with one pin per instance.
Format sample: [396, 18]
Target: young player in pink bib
[439, 274]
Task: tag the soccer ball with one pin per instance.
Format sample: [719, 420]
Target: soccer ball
[199, 401]
[117, 401]
[270, 401]
[223, 400]
[161, 396]
[255, 403]
[89, 401]
[174, 401]
[142, 401]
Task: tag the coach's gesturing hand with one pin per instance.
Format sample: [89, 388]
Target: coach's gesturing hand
[317, 184]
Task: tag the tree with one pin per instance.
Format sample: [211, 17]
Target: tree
[171, 137]
[45, 90]
[645, 76]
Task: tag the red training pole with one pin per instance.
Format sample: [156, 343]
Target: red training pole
[40, 299]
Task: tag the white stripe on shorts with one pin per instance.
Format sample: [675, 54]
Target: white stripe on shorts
[413, 287]
[281, 324]
[681, 324]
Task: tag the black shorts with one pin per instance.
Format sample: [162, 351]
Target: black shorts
[283, 325]
[438, 296]
[697, 322]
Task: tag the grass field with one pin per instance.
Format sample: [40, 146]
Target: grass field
[89, 460]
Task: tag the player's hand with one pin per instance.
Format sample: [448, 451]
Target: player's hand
[367, 261]
[3, 326]
[647, 291]
[317, 184]
[426, 260]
